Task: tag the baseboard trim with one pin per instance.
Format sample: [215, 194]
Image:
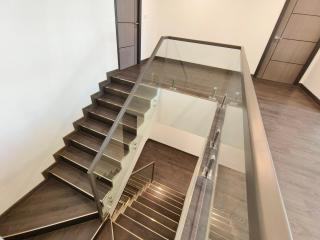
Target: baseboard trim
[307, 91]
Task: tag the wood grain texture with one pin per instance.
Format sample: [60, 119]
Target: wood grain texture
[292, 123]
[82, 231]
[310, 7]
[293, 51]
[174, 168]
[231, 199]
[303, 27]
[282, 72]
[50, 203]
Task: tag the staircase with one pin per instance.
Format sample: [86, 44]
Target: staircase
[62, 205]
[146, 211]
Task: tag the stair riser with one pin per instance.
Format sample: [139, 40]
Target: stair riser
[163, 203]
[100, 135]
[165, 198]
[159, 209]
[83, 168]
[117, 92]
[109, 121]
[90, 151]
[121, 81]
[156, 215]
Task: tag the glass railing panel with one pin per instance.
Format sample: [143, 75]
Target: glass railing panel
[197, 69]
[124, 146]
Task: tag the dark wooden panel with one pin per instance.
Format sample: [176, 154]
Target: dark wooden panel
[126, 10]
[82, 231]
[303, 27]
[174, 168]
[291, 119]
[127, 56]
[282, 72]
[51, 203]
[292, 51]
[126, 34]
[310, 7]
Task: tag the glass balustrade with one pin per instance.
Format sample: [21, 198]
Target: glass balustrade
[197, 97]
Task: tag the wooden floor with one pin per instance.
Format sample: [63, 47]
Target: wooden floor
[174, 168]
[292, 123]
[231, 198]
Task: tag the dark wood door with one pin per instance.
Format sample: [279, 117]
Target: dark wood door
[293, 42]
[128, 22]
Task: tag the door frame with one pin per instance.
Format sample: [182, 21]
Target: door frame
[139, 11]
[271, 39]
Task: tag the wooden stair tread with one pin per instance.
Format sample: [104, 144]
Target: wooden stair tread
[120, 233]
[162, 203]
[112, 99]
[175, 197]
[137, 228]
[137, 106]
[164, 197]
[52, 202]
[114, 150]
[81, 231]
[111, 115]
[102, 129]
[160, 186]
[83, 159]
[160, 209]
[155, 215]
[125, 88]
[77, 178]
[150, 223]
[106, 232]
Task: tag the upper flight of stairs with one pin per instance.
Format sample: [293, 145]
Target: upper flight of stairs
[147, 210]
[65, 198]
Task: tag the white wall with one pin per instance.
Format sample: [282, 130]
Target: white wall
[226, 58]
[53, 54]
[231, 152]
[182, 121]
[311, 78]
[244, 22]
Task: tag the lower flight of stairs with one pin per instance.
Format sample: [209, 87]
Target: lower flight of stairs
[220, 225]
[146, 211]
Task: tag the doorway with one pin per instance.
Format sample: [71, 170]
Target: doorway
[293, 43]
[128, 24]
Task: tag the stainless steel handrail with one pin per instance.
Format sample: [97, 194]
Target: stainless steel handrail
[268, 213]
[144, 167]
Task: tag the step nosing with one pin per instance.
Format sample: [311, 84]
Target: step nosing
[104, 134]
[160, 205]
[84, 145]
[123, 79]
[119, 225]
[165, 201]
[152, 219]
[72, 185]
[50, 225]
[164, 190]
[170, 219]
[158, 192]
[112, 120]
[144, 226]
[117, 89]
[86, 168]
